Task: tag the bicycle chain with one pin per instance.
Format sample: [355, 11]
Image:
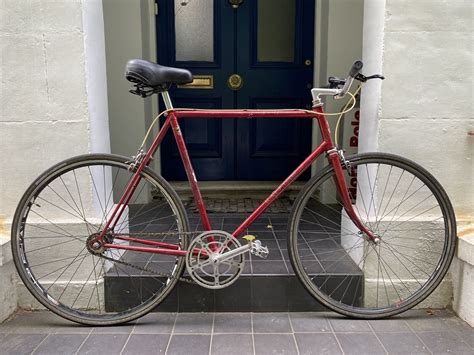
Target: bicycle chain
[160, 274]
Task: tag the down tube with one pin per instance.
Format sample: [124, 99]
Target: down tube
[275, 194]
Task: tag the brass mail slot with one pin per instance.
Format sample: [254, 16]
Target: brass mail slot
[199, 82]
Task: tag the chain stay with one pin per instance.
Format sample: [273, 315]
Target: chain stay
[157, 273]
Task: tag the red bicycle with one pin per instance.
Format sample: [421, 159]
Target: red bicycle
[370, 235]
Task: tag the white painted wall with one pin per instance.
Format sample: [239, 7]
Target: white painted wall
[44, 111]
[426, 106]
[96, 76]
[338, 44]
[129, 33]
[53, 103]
[423, 110]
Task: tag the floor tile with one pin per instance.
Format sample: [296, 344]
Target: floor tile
[273, 255]
[115, 329]
[402, 343]
[461, 329]
[425, 324]
[317, 343]
[231, 344]
[359, 343]
[444, 342]
[269, 267]
[60, 344]
[97, 343]
[155, 323]
[394, 324]
[341, 324]
[232, 323]
[198, 323]
[42, 322]
[20, 343]
[309, 322]
[274, 344]
[271, 323]
[146, 344]
[189, 344]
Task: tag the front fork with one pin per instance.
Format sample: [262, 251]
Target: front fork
[337, 160]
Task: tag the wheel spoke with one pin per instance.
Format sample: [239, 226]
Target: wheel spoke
[358, 276]
[70, 205]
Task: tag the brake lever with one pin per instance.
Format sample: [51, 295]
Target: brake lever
[362, 78]
[335, 83]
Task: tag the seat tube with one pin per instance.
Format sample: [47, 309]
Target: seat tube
[183, 151]
[167, 100]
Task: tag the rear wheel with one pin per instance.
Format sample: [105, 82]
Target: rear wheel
[53, 240]
[398, 201]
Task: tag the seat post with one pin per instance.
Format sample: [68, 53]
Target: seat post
[167, 100]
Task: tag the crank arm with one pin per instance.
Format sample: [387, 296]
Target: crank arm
[230, 254]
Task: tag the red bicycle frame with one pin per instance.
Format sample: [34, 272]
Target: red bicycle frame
[172, 117]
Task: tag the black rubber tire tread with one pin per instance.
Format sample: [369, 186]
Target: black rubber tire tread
[47, 176]
[438, 192]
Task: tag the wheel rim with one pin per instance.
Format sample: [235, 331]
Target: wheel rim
[65, 210]
[354, 275]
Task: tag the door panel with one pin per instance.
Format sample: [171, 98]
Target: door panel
[275, 30]
[283, 142]
[275, 75]
[205, 140]
[194, 31]
[199, 37]
[266, 42]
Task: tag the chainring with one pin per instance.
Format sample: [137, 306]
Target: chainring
[202, 267]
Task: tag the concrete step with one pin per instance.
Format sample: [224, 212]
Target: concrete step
[258, 293]
[266, 285]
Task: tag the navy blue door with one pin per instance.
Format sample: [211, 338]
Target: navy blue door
[269, 44]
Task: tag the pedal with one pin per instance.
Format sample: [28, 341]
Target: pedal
[258, 249]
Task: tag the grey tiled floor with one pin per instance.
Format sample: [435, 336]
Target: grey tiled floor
[414, 332]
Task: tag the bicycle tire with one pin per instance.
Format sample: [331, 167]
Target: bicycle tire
[68, 202]
[360, 291]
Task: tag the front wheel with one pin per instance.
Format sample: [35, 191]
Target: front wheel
[66, 270]
[402, 204]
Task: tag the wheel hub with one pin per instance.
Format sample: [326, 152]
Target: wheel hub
[95, 246]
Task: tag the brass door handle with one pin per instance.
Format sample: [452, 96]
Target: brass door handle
[235, 82]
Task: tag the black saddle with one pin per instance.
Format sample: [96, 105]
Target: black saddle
[148, 74]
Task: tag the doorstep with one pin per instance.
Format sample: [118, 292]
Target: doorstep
[462, 271]
[241, 189]
[8, 293]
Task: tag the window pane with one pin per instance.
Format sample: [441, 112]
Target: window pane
[276, 30]
[194, 26]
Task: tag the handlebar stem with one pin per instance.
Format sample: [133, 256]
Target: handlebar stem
[317, 92]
